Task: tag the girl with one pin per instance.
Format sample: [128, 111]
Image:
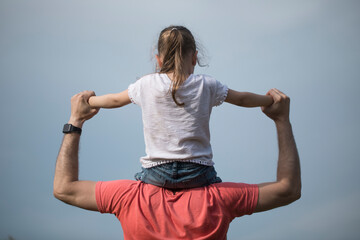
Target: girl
[176, 107]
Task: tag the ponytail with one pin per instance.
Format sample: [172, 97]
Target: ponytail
[175, 42]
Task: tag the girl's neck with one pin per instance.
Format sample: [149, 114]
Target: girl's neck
[171, 75]
[189, 65]
[189, 70]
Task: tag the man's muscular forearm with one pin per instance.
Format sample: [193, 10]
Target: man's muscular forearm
[67, 165]
[67, 187]
[288, 170]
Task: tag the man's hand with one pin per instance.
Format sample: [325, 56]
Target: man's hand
[279, 110]
[80, 108]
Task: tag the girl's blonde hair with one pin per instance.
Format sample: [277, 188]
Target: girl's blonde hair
[174, 44]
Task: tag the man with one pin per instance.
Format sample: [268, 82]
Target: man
[149, 212]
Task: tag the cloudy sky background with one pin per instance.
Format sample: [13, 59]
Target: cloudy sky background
[50, 50]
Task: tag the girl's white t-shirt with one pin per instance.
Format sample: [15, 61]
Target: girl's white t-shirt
[172, 132]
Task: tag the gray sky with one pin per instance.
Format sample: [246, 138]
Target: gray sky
[50, 50]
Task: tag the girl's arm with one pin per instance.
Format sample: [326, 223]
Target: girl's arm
[114, 100]
[247, 99]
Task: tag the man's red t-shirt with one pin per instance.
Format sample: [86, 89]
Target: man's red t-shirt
[149, 212]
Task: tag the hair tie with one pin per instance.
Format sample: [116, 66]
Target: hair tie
[173, 29]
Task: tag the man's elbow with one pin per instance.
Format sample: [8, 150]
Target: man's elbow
[61, 194]
[58, 194]
[296, 195]
[291, 193]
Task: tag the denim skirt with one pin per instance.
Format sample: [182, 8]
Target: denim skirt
[179, 175]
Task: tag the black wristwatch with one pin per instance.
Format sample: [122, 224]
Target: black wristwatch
[68, 128]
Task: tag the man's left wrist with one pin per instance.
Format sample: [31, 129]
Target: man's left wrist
[76, 122]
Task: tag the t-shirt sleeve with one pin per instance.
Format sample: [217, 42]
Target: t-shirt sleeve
[219, 92]
[240, 198]
[134, 91]
[111, 195]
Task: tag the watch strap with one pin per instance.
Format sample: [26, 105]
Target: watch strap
[69, 128]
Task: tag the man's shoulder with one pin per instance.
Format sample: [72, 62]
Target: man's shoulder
[232, 186]
[217, 189]
[116, 184]
[231, 190]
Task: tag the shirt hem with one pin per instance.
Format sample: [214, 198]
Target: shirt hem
[130, 94]
[154, 163]
[223, 97]
[98, 196]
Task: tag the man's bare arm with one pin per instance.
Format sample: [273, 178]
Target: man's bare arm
[287, 187]
[67, 186]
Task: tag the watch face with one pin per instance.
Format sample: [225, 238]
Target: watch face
[67, 128]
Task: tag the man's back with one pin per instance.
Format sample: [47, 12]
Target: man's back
[149, 212]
